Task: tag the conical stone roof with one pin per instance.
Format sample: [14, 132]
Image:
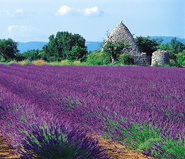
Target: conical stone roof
[121, 32]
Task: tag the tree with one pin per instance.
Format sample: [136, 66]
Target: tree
[174, 47]
[60, 47]
[113, 49]
[181, 58]
[147, 45]
[76, 53]
[8, 49]
[31, 55]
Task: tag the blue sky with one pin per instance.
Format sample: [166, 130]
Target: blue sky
[36, 20]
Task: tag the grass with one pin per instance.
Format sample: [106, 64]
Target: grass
[75, 63]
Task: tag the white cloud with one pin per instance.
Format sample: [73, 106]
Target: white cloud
[19, 11]
[93, 10]
[64, 10]
[11, 13]
[24, 32]
[20, 28]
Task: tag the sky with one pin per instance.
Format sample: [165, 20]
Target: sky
[36, 20]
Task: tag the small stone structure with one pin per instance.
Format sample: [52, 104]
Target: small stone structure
[161, 57]
[121, 32]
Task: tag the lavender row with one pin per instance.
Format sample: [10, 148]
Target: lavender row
[138, 91]
[115, 87]
[139, 105]
[31, 124]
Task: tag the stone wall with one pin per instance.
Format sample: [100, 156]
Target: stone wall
[161, 57]
[142, 59]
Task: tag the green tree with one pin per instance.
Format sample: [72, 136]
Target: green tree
[174, 47]
[76, 53]
[31, 55]
[113, 49]
[8, 49]
[147, 45]
[181, 58]
[60, 47]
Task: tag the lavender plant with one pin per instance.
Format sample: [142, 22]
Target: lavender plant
[105, 95]
[53, 142]
[71, 145]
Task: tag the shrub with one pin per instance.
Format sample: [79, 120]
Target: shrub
[24, 62]
[116, 63]
[97, 58]
[66, 62]
[76, 62]
[126, 59]
[39, 62]
[173, 63]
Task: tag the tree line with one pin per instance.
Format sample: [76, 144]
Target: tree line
[65, 45]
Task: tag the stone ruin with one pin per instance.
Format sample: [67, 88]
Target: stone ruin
[161, 57]
[121, 32]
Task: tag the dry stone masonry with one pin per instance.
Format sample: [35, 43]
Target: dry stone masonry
[161, 57]
[121, 32]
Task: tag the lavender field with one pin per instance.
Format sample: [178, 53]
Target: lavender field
[44, 106]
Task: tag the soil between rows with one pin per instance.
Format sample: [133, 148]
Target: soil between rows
[125, 154]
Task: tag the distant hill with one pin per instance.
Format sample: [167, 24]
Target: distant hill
[23, 47]
[91, 45]
[168, 39]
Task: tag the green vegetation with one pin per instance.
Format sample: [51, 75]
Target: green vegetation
[147, 45]
[174, 48]
[77, 56]
[126, 59]
[8, 49]
[68, 49]
[113, 49]
[29, 55]
[64, 46]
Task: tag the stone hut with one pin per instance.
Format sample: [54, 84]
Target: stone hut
[161, 57]
[121, 32]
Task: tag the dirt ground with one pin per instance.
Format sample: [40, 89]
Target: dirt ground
[126, 154]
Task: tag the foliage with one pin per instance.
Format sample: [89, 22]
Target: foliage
[98, 58]
[156, 64]
[113, 49]
[65, 145]
[147, 45]
[174, 47]
[63, 46]
[181, 58]
[116, 63]
[126, 59]
[30, 55]
[77, 53]
[8, 49]
[66, 62]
